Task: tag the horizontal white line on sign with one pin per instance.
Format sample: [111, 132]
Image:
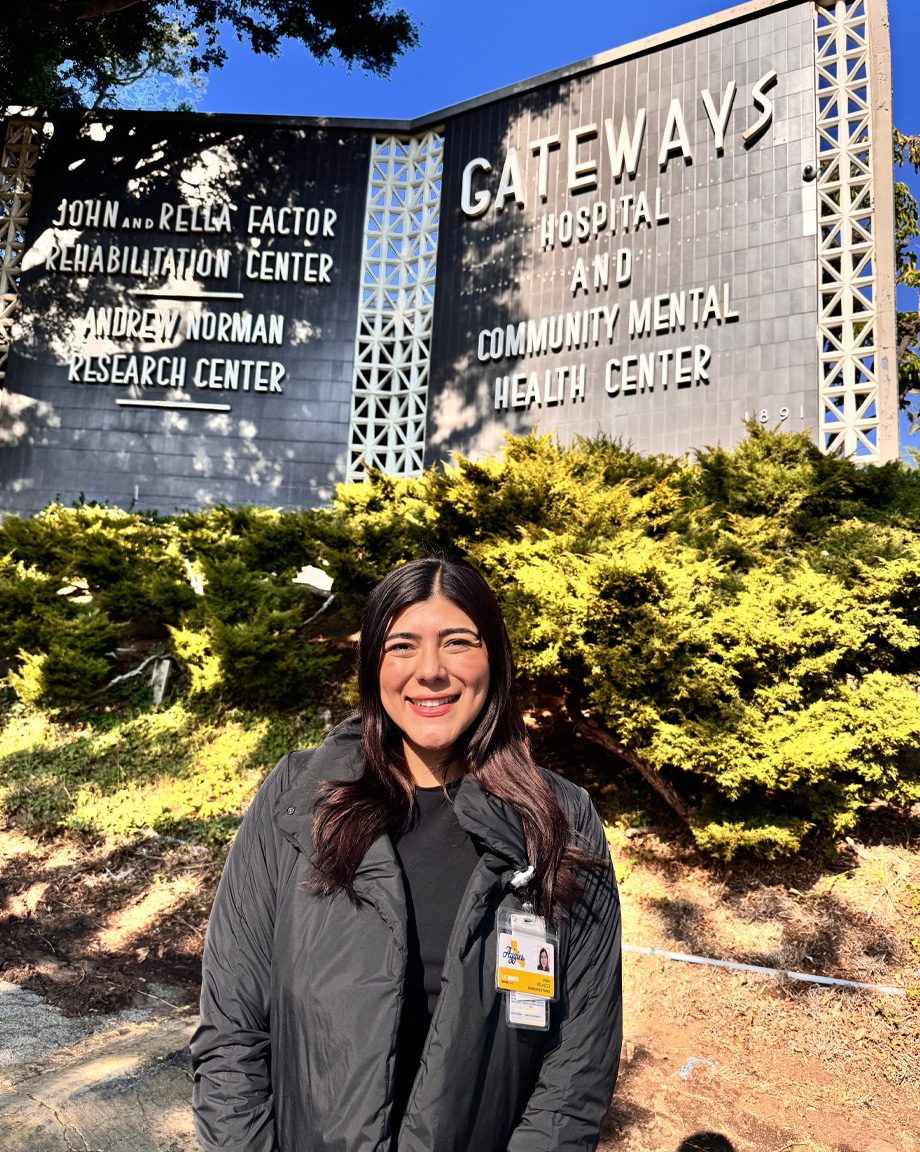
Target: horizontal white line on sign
[180, 295]
[176, 404]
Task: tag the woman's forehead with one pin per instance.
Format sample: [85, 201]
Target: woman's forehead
[432, 615]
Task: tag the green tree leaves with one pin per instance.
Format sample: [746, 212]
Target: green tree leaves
[907, 230]
[68, 53]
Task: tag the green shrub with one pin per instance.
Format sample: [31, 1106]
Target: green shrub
[260, 660]
[263, 539]
[241, 639]
[747, 621]
[25, 591]
[72, 664]
[132, 564]
[769, 841]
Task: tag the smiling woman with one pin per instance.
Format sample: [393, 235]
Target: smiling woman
[434, 679]
[351, 996]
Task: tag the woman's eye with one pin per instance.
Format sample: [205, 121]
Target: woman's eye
[400, 647]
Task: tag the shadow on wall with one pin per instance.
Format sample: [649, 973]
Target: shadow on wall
[122, 181]
[109, 162]
[482, 263]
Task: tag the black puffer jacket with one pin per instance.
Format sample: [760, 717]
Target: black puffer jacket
[301, 995]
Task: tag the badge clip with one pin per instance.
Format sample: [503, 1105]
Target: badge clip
[526, 958]
[519, 879]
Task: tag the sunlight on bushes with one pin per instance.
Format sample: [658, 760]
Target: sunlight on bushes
[746, 622]
[177, 772]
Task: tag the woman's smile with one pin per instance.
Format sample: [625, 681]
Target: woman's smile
[434, 681]
[433, 705]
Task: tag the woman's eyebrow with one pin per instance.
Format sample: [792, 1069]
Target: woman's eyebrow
[444, 632]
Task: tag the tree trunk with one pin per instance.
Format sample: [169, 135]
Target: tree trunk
[598, 734]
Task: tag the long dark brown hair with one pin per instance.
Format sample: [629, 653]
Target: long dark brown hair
[351, 814]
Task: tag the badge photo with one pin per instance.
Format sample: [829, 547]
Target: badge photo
[526, 963]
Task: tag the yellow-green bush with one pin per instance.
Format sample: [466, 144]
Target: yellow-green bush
[72, 664]
[239, 638]
[747, 621]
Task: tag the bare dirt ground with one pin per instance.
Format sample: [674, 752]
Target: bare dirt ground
[717, 1060]
[87, 928]
[714, 1061]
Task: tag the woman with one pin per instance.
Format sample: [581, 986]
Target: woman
[349, 994]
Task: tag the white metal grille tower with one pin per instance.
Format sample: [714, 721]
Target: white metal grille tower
[17, 167]
[858, 373]
[393, 343]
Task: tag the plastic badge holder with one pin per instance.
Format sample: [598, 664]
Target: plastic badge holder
[526, 1011]
[526, 959]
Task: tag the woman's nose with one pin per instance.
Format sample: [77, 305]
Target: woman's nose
[431, 663]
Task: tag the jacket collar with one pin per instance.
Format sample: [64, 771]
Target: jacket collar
[339, 757]
[492, 821]
[378, 878]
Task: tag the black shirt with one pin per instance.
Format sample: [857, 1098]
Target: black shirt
[437, 858]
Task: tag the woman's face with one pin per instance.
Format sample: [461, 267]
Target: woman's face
[434, 675]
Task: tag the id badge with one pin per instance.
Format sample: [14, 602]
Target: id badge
[526, 960]
[526, 1011]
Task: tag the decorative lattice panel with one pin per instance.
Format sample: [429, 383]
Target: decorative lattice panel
[393, 345]
[17, 167]
[848, 263]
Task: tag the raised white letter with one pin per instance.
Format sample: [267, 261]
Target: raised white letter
[719, 120]
[581, 174]
[511, 183]
[477, 206]
[625, 151]
[542, 147]
[675, 135]
[765, 106]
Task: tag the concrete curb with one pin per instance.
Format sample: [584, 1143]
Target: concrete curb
[124, 1088]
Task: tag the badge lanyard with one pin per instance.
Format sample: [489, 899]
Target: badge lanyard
[525, 968]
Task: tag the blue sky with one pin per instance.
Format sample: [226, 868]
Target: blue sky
[468, 50]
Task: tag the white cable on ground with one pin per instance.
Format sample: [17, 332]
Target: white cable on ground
[763, 971]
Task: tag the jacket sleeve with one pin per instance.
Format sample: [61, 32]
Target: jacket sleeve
[232, 1095]
[582, 1055]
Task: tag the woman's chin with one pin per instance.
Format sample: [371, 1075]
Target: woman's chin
[431, 743]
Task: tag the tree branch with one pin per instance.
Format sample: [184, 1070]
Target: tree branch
[327, 604]
[78, 9]
[127, 676]
[598, 734]
[910, 329]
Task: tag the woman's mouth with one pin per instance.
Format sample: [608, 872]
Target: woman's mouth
[432, 705]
